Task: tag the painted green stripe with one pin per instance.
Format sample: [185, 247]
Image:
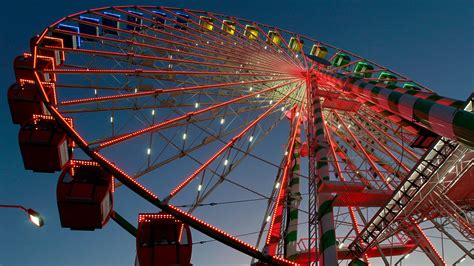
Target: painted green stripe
[319, 131]
[291, 236]
[320, 164]
[357, 262]
[374, 93]
[294, 181]
[394, 100]
[458, 104]
[463, 127]
[318, 148]
[434, 97]
[328, 239]
[325, 208]
[294, 214]
[320, 182]
[296, 167]
[421, 110]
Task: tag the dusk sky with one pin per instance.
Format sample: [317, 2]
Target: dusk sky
[431, 42]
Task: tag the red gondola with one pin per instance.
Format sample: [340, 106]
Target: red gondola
[24, 100]
[163, 240]
[84, 195]
[46, 47]
[44, 145]
[23, 66]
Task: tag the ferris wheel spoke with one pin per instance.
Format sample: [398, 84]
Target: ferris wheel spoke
[222, 177]
[354, 172]
[208, 192]
[132, 55]
[286, 58]
[207, 140]
[263, 42]
[182, 122]
[336, 153]
[334, 69]
[156, 92]
[126, 42]
[412, 155]
[274, 230]
[380, 145]
[229, 144]
[179, 37]
[185, 152]
[396, 127]
[357, 147]
[247, 151]
[201, 35]
[171, 51]
[243, 48]
[183, 117]
[214, 138]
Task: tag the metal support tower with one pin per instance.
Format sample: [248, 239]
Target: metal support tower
[319, 173]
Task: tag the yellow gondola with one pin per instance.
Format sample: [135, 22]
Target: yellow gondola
[228, 27]
[206, 23]
[319, 51]
[251, 32]
[273, 38]
[296, 45]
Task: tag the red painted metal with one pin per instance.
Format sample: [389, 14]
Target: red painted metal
[274, 229]
[24, 100]
[44, 145]
[183, 117]
[84, 195]
[163, 240]
[223, 53]
[230, 143]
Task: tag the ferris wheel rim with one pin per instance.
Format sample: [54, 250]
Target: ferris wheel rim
[95, 154]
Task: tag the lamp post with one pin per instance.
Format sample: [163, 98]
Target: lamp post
[34, 216]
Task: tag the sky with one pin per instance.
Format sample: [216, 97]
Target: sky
[428, 41]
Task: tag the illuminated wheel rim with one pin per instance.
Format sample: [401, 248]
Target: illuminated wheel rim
[176, 111]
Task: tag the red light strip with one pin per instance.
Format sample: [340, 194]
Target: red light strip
[237, 53]
[214, 50]
[153, 72]
[122, 176]
[183, 117]
[161, 91]
[167, 59]
[413, 155]
[400, 163]
[286, 58]
[173, 209]
[274, 230]
[243, 47]
[230, 143]
[369, 159]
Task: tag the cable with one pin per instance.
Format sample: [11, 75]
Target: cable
[220, 203]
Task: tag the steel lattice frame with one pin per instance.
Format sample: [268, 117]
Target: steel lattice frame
[203, 99]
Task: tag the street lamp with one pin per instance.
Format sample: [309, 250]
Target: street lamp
[34, 216]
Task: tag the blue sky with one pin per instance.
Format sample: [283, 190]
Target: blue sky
[429, 41]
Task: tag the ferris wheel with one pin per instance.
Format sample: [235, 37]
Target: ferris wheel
[222, 123]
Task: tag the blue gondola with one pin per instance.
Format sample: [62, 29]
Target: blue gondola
[113, 23]
[88, 28]
[136, 19]
[159, 18]
[72, 39]
[181, 20]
